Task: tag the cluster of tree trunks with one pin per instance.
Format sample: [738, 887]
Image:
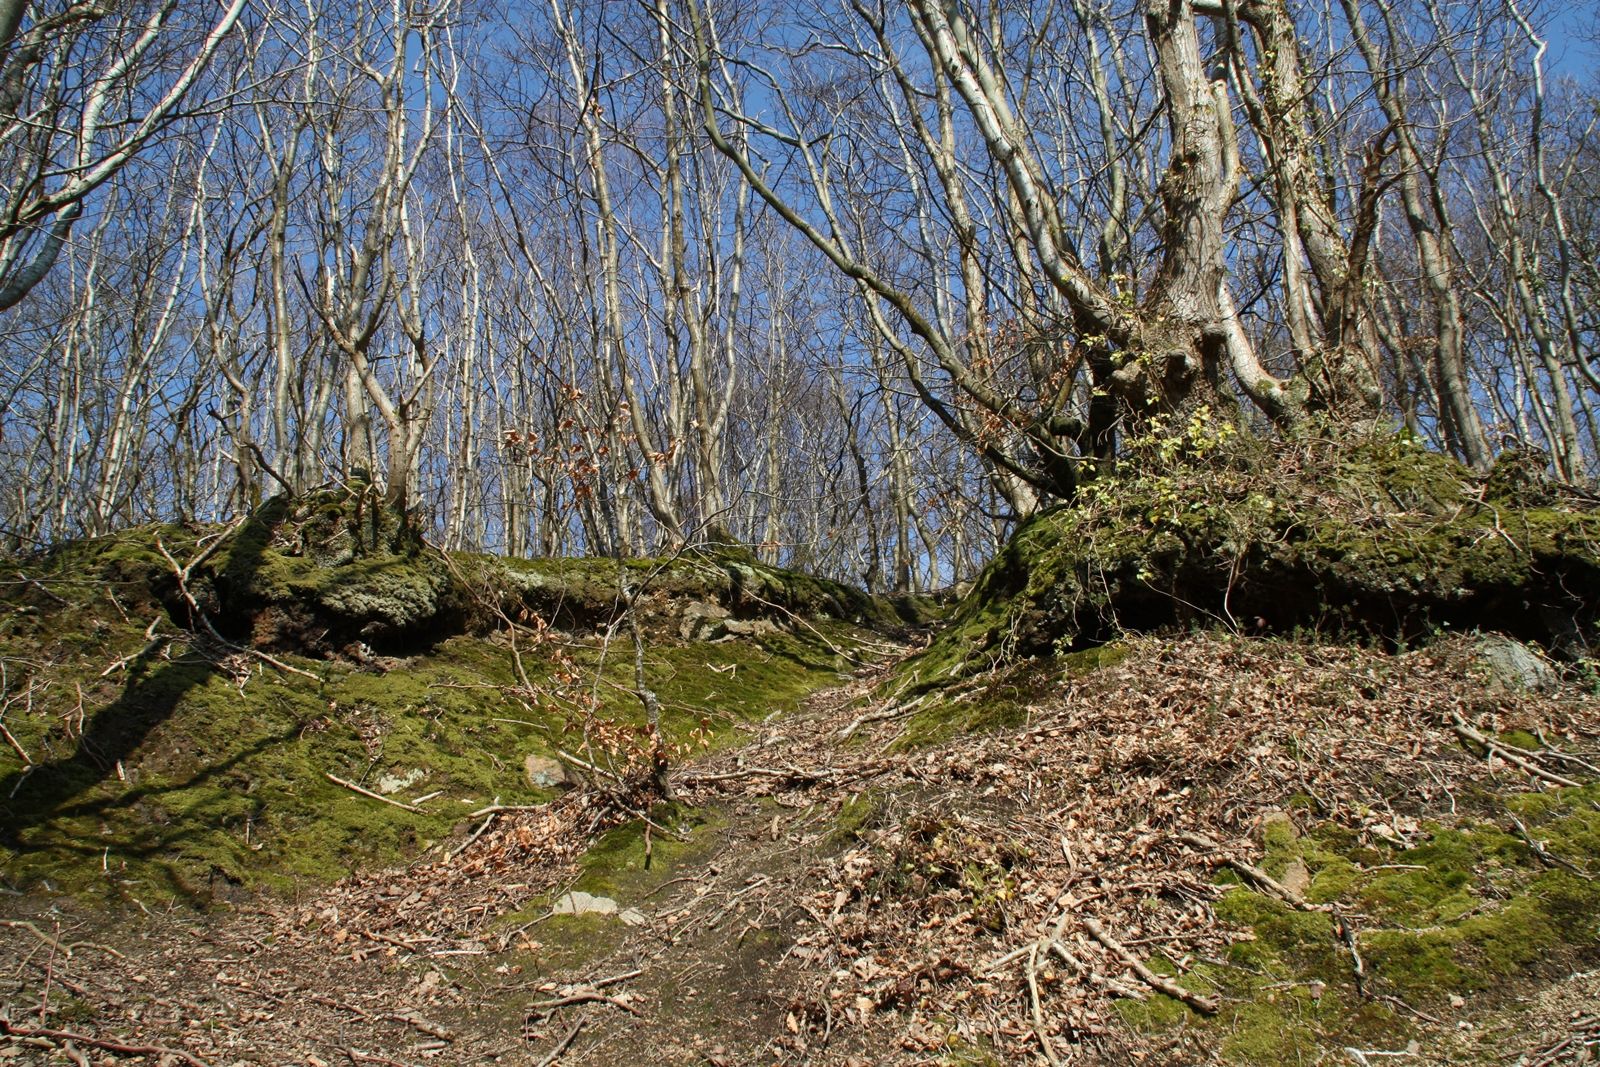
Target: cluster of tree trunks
[857, 284]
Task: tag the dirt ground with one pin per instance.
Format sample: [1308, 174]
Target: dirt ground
[820, 896]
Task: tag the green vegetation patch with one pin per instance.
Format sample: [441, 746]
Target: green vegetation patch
[197, 772]
[629, 864]
[1465, 910]
[1373, 538]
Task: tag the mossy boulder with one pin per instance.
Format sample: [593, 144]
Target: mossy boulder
[1379, 538]
[320, 573]
[674, 594]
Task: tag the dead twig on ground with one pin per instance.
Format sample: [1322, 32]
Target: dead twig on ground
[582, 996]
[458, 850]
[336, 780]
[1497, 748]
[1250, 871]
[1202, 1004]
[886, 714]
[120, 1047]
[367, 1057]
[1542, 851]
[561, 1046]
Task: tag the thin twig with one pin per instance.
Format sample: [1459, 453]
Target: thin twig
[453, 853]
[561, 1046]
[583, 996]
[1205, 1005]
[48, 1034]
[1252, 872]
[1490, 745]
[336, 780]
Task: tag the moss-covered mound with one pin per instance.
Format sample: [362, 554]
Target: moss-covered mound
[189, 737]
[694, 593]
[1381, 538]
[318, 573]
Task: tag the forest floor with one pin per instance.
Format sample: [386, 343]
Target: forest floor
[1196, 848]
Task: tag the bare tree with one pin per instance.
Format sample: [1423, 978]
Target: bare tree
[84, 87]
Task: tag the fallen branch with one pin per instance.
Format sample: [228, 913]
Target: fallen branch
[1358, 967]
[27, 761]
[1114, 986]
[893, 712]
[41, 587]
[626, 976]
[65, 948]
[152, 642]
[1493, 747]
[567, 757]
[421, 1025]
[561, 1046]
[1544, 854]
[18, 924]
[503, 809]
[336, 780]
[365, 1057]
[453, 853]
[1204, 1005]
[10, 1030]
[1039, 1029]
[271, 661]
[583, 996]
[789, 775]
[1252, 872]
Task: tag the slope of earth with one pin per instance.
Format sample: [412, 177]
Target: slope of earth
[1214, 849]
[1339, 826]
[194, 715]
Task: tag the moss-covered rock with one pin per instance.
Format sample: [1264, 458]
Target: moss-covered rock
[321, 572]
[1378, 538]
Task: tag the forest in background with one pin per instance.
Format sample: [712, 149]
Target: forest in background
[857, 285]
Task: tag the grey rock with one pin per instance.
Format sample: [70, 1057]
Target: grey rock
[393, 783]
[1513, 665]
[702, 621]
[749, 628]
[546, 773]
[578, 902]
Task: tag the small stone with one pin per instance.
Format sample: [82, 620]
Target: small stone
[702, 621]
[546, 773]
[1297, 877]
[749, 627]
[392, 783]
[578, 902]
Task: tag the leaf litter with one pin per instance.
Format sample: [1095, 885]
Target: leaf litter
[1054, 891]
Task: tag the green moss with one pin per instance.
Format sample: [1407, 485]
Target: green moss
[1521, 739]
[856, 814]
[1384, 539]
[563, 942]
[224, 789]
[620, 866]
[185, 785]
[997, 702]
[959, 1052]
[1153, 1014]
[1088, 660]
[1467, 909]
[1271, 1032]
